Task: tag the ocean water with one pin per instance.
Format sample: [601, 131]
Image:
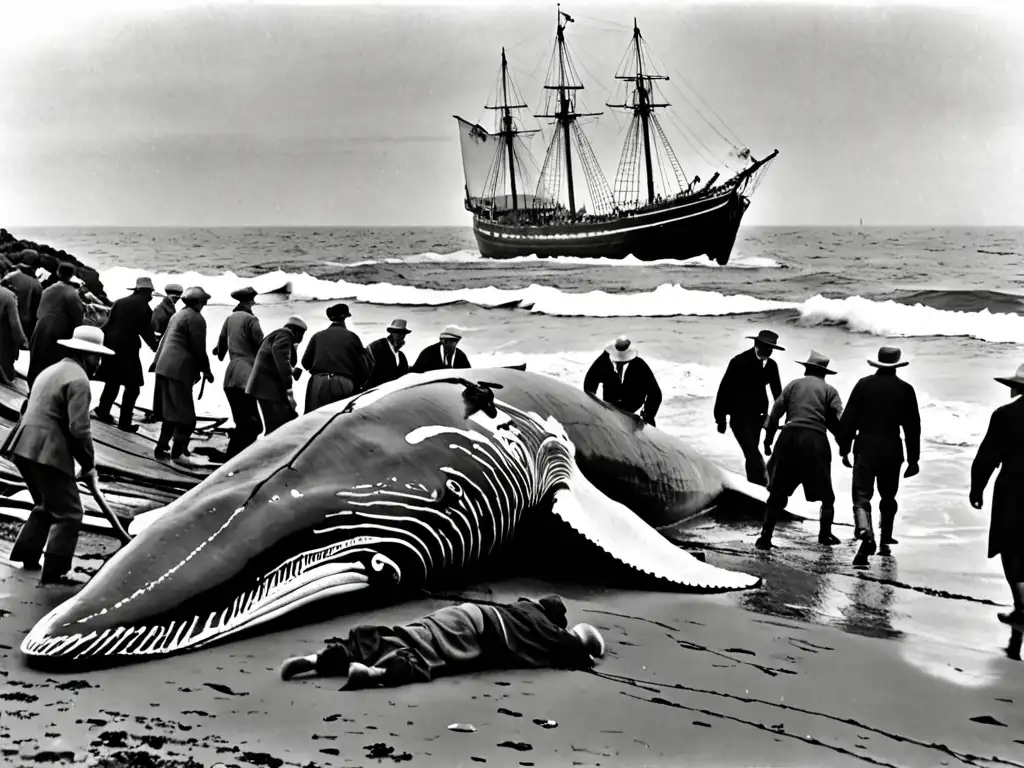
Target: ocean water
[952, 299]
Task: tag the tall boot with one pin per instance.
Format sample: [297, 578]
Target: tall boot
[163, 443]
[825, 536]
[764, 541]
[862, 523]
[887, 510]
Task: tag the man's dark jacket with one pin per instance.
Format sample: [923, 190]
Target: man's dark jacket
[741, 393]
[878, 406]
[638, 388]
[127, 326]
[383, 366]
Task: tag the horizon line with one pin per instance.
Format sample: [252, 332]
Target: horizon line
[10, 228]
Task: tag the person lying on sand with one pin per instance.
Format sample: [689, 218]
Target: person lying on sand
[453, 640]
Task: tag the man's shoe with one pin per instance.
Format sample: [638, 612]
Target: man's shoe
[161, 453]
[106, 418]
[763, 544]
[884, 550]
[27, 565]
[827, 539]
[1013, 617]
[889, 540]
[297, 665]
[362, 676]
[130, 428]
[867, 548]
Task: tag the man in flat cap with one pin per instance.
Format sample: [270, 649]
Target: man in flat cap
[240, 339]
[127, 326]
[878, 407]
[336, 361]
[165, 309]
[742, 399]
[443, 354]
[27, 289]
[181, 361]
[386, 358]
[273, 372]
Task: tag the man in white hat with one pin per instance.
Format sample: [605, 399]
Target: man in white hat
[273, 372]
[163, 311]
[626, 380]
[1003, 447]
[444, 354]
[387, 360]
[240, 338]
[181, 361]
[61, 310]
[803, 456]
[54, 433]
[127, 326]
[878, 407]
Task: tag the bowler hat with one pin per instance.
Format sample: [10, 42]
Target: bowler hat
[817, 360]
[87, 338]
[889, 357]
[244, 294]
[768, 338]
[143, 284]
[338, 312]
[1017, 380]
[622, 350]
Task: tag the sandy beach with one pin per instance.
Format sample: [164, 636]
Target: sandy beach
[689, 679]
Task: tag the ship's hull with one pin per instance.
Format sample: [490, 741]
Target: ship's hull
[676, 230]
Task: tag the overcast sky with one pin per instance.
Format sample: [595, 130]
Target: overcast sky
[332, 113]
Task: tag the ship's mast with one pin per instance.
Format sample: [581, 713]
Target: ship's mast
[508, 130]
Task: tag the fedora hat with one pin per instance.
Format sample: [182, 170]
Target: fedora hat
[398, 325]
[889, 357]
[296, 322]
[195, 293]
[143, 284]
[817, 360]
[338, 312]
[768, 338]
[1017, 380]
[451, 332]
[244, 294]
[622, 351]
[87, 338]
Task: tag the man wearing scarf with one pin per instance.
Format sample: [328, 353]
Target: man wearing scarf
[240, 339]
[457, 639]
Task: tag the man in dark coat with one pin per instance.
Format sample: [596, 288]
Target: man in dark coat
[803, 456]
[336, 361]
[60, 311]
[1003, 447]
[626, 379]
[180, 362]
[127, 326]
[54, 433]
[386, 359]
[273, 372]
[444, 354]
[240, 338]
[741, 398]
[457, 639]
[27, 288]
[878, 406]
[163, 311]
[12, 337]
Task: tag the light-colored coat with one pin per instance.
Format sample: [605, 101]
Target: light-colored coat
[55, 429]
[182, 352]
[240, 338]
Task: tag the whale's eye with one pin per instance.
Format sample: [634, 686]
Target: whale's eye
[454, 488]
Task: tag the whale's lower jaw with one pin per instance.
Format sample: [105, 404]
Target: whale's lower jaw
[49, 639]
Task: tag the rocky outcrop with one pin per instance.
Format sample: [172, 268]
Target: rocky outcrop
[49, 258]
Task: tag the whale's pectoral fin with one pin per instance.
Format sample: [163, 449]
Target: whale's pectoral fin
[615, 529]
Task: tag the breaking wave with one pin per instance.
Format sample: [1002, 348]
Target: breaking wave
[738, 262]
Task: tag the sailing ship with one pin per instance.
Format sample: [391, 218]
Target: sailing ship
[648, 213]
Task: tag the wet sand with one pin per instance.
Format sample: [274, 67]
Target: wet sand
[695, 679]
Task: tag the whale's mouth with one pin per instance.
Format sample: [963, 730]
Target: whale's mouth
[193, 625]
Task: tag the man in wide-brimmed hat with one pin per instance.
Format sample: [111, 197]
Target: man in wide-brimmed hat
[127, 326]
[803, 456]
[444, 354]
[181, 361]
[387, 361]
[61, 310]
[163, 311]
[742, 399]
[27, 289]
[240, 339]
[336, 360]
[1003, 447]
[273, 372]
[626, 380]
[54, 433]
[878, 407]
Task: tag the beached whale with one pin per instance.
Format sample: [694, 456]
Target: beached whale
[426, 475]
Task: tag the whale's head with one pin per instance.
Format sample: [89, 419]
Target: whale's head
[331, 504]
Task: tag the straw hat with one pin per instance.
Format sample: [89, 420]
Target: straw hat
[817, 360]
[889, 357]
[144, 284]
[451, 332]
[622, 350]
[296, 322]
[87, 338]
[1017, 380]
[398, 325]
[244, 294]
[768, 338]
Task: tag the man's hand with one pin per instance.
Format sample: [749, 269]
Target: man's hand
[291, 401]
[721, 427]
[89, 475]
[209, 377]
[913, 469]
[767, 447]
[846, 461]
[648, 419]
[296, 373]
[976, 502]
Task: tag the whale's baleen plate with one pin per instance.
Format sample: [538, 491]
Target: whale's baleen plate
[427, 474]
